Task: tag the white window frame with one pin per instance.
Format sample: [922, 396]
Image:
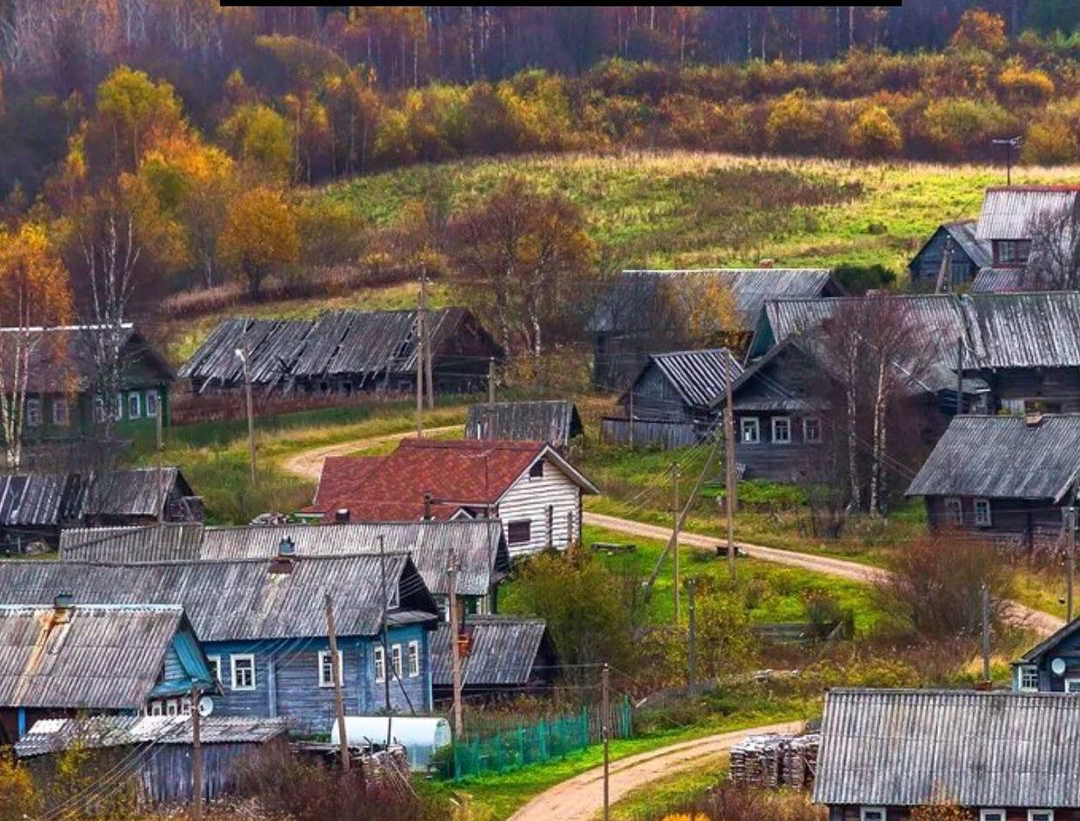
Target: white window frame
[134, 405]
[233, 659]
[99, 409]
[984, 517]
[954, 510]
[1020, 685]
[992, 814]
[1072, 681]
[61, 413]
[33, 412]
[378, 658]
[816, 420]
[328, 680]
[155, 708]
[527, 540]
[414, 659]
[1041, 815]
[872, 814]
[172, 707]
[185, 706]
[150, 402]
[395, 660]
[119, 406]
[214, 663]
[786, 420]
[746, 425]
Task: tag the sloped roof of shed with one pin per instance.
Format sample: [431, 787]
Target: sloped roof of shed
[699, 377]
[503, 651]
[555, 421]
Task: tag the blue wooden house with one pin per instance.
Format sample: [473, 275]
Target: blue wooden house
[262, 625]
[63, 659]
[1053, 665]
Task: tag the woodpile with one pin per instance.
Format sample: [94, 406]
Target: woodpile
[772, 761]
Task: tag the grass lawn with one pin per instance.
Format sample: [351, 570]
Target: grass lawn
[672, 791]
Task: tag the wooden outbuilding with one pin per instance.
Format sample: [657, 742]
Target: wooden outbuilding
[555, 421]
[967, 256]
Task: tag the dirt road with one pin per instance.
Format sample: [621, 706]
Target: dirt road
[582, 797]
[1044, 623]
[308, 464]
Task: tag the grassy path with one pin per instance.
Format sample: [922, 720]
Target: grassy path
[308, 464]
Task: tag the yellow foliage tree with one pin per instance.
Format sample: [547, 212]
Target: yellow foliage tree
[874, 134]
[19, 799]
[794, 123]
[701, 308]
[260, 236]
[941, 812]
[980, 29]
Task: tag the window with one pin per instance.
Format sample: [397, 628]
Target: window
[326, 672]
[536, 469]
[781, 430]
[185, 706]
[155, 708]
[519, 532]
[33, 412]
[215, 667]
[982, 513]
[1072, 685]
[954, 511]
[749, 430]
[119, 406]
[172, 707]
[395, 660]
[60, 412]
[871, 814]
[151, 404]
[1029, 678]
[380, 666]
[812, 429]
[414, 659]
[243, 671]
[134, 406]
[991, 815]
[1013, 251]
[99, 410]
[1040, 815]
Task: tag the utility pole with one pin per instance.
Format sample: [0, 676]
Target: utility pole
[986, 631]
[675, 538]
[729, 476]
[160, 467]
[491, 380]
[196, 756]
[959, 375]
[420, 364]
[455, 646]
[691, 583]
[1010, 144]
[427, 340]
[335, 672]
[385, 640]
[605, 724]
[631, 417]
[245, 359]
[1070, 514]
[945, 269]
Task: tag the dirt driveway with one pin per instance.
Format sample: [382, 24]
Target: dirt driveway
[308, 464]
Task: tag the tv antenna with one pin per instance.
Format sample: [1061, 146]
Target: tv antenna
[1009, 143]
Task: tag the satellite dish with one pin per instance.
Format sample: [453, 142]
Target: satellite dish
[206, 706]
[1057, 666]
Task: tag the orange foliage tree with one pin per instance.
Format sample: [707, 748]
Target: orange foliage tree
[260, 236]
[980, 29]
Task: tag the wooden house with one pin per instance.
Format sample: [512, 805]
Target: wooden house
[501, 657]
[533, 490]
[36, 507]
[65, 393]
[630, 323]
[478, 546]
[967, 256]
[998, 756]
[262, 625]
[1051, 666]
[1011, 215]
[117, 745]
[555, 421]
[1006, 478]
[342, 352]
[68, 658]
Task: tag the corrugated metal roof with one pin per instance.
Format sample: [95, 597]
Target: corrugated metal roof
[991, 280]
[1003, 457]
[55, 734]
[625, 306]
[1038, 329]
[478, 545]
[503, 651]
[1009, 212]
[913, 747]
[979, 251]
[555, 421]
[236, 600]
[103, 657]
[699, 377]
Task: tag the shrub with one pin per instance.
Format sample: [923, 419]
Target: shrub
[794, 124]
[955, 124]
[19, 799]
[941, 812]
[874, 134]
[725, 641]
[858, 279]
[1025, 85]
[1049, 143]
[980, 29]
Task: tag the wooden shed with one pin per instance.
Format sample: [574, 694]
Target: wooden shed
[968, 254]
[555, 421]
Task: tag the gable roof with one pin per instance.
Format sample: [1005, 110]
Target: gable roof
[240, 600]
[1008, 212]
[478, 546]
[779, 397]
[1051, 642]
[37, 499]
[555, 421]
[1003, 457]
[337, 343]
[504, 650]
[962, 232]
[975, 749]
[698, 377]
[341, 477]
[461, 473]
[105, 657]
[1023, 330]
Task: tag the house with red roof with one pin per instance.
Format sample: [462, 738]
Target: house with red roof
[529, 486]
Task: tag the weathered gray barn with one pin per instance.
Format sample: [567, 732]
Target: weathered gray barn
[1006, 478]
[342, 352]
[1001, 756]
[969, 255]
[478, 546]
[555, 421]
[154, 752]
[631, 320]
[501, 656]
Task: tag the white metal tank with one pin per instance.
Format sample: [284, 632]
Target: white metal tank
[420, 737]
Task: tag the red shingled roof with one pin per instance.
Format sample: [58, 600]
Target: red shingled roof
[466, 473]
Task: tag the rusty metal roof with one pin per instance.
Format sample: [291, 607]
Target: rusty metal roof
[973, 749]
[236, 600]
[1010, 212]
[555, 421]
[478, 545]
[101, 657]
[503, 651]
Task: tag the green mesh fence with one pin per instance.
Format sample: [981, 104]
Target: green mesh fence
[535, 743]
